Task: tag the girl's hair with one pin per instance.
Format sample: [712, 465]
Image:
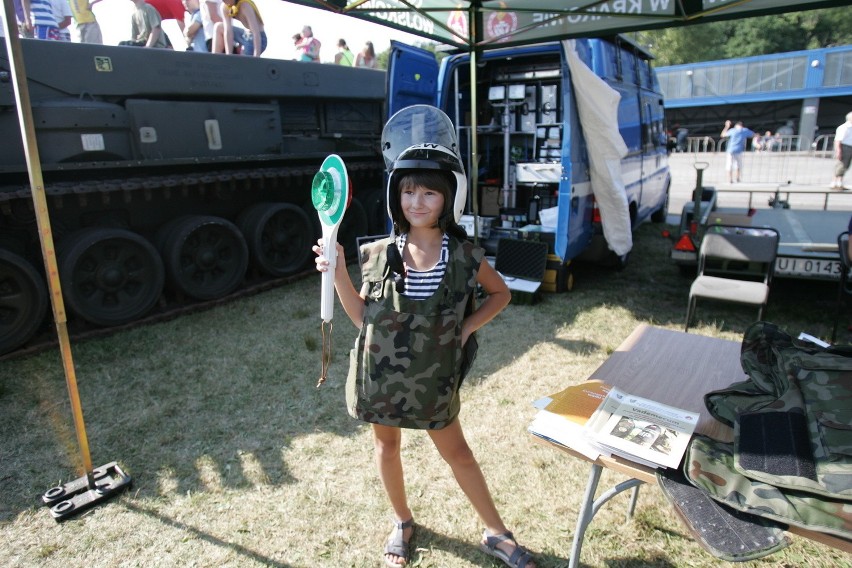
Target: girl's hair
[440, 181]
[368, 47]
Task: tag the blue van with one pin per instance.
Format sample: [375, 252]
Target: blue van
[533, 169]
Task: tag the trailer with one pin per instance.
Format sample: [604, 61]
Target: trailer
[808, 245]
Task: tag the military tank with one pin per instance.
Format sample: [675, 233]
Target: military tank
[174, 178]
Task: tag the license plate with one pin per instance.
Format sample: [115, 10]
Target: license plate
[807, 267]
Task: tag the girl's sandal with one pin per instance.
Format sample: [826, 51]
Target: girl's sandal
[519, 558]
[397, 545]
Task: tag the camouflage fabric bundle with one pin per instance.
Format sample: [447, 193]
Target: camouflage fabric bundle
[791, 459]
[405, 368]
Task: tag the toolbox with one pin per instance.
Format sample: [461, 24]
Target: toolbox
[522, 263]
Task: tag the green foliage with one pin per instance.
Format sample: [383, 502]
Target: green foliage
[779, 33]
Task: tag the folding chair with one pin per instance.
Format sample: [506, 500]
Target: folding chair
[844, 288]
[735, 264]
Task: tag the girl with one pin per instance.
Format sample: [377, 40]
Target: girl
[366, 57]
[415, 314]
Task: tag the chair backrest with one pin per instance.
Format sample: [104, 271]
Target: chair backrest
[753, 246]
[843, 249]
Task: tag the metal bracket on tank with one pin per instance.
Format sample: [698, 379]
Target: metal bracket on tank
[76, 496]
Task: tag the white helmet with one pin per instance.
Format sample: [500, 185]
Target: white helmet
[422, 137]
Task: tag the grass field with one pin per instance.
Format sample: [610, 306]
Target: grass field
[238, 460]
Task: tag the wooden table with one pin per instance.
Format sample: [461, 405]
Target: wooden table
[677, 369]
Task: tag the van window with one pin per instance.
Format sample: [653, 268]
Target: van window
[628, 67]
[645, 77]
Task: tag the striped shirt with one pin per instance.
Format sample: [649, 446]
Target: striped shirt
[421, 284]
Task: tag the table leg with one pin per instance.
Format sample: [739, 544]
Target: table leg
[590, 506]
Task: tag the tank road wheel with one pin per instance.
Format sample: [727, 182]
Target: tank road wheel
[109, 276]
[279, 237]
[23, 301]
[205, 257]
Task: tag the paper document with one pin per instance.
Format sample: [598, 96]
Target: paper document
[563, 415]
[641, 430]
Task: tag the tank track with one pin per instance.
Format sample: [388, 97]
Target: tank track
[257, 178]
[212, 185]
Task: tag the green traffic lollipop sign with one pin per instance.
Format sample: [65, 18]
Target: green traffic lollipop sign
[330, 191]
[330, 194]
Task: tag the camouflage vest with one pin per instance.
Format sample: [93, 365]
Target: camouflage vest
[791, 459]
[405, 368]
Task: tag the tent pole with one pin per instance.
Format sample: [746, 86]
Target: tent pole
[474, 144]
[105, 485]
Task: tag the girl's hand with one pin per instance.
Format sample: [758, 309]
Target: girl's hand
[322, 259]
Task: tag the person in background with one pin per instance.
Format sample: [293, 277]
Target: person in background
[737, 137]
[43, 20]
[786, 130]
[296, 39]
[62, 11]
[842, 152]
[366, 57]
[249, 35]
[87, 24]
[169, 10]
[211, 14]
[757, 142]
[768, 141]
[344, 55]
[193, 31]
[23, 18]
[309, 46]
[145, 27]
[681, 137]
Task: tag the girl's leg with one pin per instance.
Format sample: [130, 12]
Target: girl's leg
[218, 38]
[386, 445]
[453, 447]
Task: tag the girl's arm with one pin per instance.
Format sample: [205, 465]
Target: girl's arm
[498, 298]
[353, 302]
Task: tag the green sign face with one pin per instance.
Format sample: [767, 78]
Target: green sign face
[330, 190]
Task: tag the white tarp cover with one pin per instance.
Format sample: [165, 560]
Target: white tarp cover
[597, 106]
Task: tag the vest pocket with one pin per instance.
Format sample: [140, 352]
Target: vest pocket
[410, 365]
[836, 432]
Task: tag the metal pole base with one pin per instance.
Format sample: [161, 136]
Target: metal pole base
[82, 493]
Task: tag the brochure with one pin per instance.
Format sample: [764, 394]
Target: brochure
[641, 430]
[562, 416]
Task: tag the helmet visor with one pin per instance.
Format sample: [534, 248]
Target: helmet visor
[417, 124]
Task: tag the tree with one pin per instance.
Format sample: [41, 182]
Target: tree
[780, 33]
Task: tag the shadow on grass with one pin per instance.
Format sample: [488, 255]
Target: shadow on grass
[426, 540]
[639, 563]
[242, 551]
[183, 417]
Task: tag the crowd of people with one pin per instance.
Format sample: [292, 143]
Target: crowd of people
[215, 26]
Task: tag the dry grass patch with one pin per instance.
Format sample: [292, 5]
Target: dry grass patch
[238, 460]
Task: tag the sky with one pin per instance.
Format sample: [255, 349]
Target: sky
[281, 20]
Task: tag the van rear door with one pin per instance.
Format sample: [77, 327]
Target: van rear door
[412, 77]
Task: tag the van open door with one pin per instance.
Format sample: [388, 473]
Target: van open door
[412, 77]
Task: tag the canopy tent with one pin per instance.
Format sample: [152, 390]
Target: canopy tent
[474, 25]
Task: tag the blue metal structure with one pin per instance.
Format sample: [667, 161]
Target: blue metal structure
[811, 87]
